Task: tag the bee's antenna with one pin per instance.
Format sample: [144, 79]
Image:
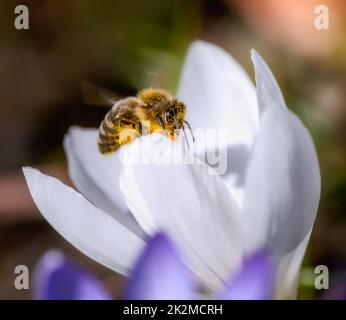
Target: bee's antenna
[193, 137]
[187, 141]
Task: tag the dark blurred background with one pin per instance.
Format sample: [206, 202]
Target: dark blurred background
[125, 45]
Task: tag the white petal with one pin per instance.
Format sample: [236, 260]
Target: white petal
[191, 205]
[282, 184]
[97, 176]
[219, 95]
[288, 271]
[268, 91]
[86, 227]
[218, 92]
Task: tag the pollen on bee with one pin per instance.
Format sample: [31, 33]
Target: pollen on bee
[127, 135]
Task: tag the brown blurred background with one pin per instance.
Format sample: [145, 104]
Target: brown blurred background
[126, 45]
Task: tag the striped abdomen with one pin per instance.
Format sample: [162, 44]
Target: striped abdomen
[120, 126]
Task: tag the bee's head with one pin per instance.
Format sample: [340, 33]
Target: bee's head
[173, 114]
[168, 111]
[173, 118]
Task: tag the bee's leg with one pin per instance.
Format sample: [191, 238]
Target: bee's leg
[162, 125]
[140, 128]
[160, 121]
[193, 137]
[187, 141]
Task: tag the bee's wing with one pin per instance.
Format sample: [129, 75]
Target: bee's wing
[152, 80]
[95, 95]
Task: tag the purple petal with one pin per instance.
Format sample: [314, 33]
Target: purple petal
[58, 278]
[160, 273]
[254, 281]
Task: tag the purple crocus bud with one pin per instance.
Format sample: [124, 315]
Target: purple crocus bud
[58, 278]
[254, 280]
[160, 273]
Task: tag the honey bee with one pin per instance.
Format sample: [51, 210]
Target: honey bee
[151, 110]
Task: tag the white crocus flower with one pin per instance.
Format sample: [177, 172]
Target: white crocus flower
[267, 198]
